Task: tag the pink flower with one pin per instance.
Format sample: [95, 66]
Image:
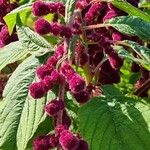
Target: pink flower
[45, 142]
[66, 121]
[67, 70]
[44, 71]
[4, 35]
[93, 12]
[68, 141]
[52, 60]
[37, 90]
[76, 83]
[47, 83]
[40, 8]
[42, 26]
[53, 107]
[82, 96]
[83, 145]
[115, 61]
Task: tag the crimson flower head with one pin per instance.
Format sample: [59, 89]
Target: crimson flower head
[56, 28]
[53, 107]
[117, 36]
[47, 83]
[115, 61]
[52, 7]
[4, 35]
[61, 8]
[59, 51]
[111, 14]
[42, 26]
[37, 90]
[93, 12]
[65, 32]
[59, 129]
[45, 142]
[76, 83]
[68, 141]
[66, 121]
[81, 4]
[67, 70]
[44, 71]
[56, 76]
[40, 8]
[52, 61]
[82, 96]
[83, 145]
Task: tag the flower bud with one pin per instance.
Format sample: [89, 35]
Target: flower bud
[68, 141]
[42, 26]
[40, 8]
[37, 90]
[53, 107]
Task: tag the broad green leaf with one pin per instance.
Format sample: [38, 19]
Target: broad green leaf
[115, 123]
[35, 43]
[11, 17]
[11, 53]
[125, 54]
[142, 51]
[132, 26]
[111, 91]
[20, 115]
[69, 8]
[32, 118]
[131, 10]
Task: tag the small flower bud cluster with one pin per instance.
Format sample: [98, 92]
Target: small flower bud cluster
[93, 12]
[48, 75]
[93, 50]
[62, 138]
[5, 37]
[42, 27]
[81, 56]
[41, 8]
[45, 142]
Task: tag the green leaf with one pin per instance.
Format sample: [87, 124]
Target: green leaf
[11, 17]
[142, 51]
[144, 4]
[113, 123]
[35, 43]
[20, 115]
[132, 26]
[32, 118]
[12, 53]
[131, 10]
[69, 9]
[125, 54]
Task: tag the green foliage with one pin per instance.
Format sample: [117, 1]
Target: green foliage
[35, 43]
[116, 122]
[131, 25]
[69, 9]
[20, 115]
[143, 53]
[11, 18]
[131, 10]
[12, 53]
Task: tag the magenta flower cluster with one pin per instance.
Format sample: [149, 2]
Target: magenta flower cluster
[50, 76]
[41, 8]
[5, 37]
[93, 53]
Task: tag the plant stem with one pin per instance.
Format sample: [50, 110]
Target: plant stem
[96, 26]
